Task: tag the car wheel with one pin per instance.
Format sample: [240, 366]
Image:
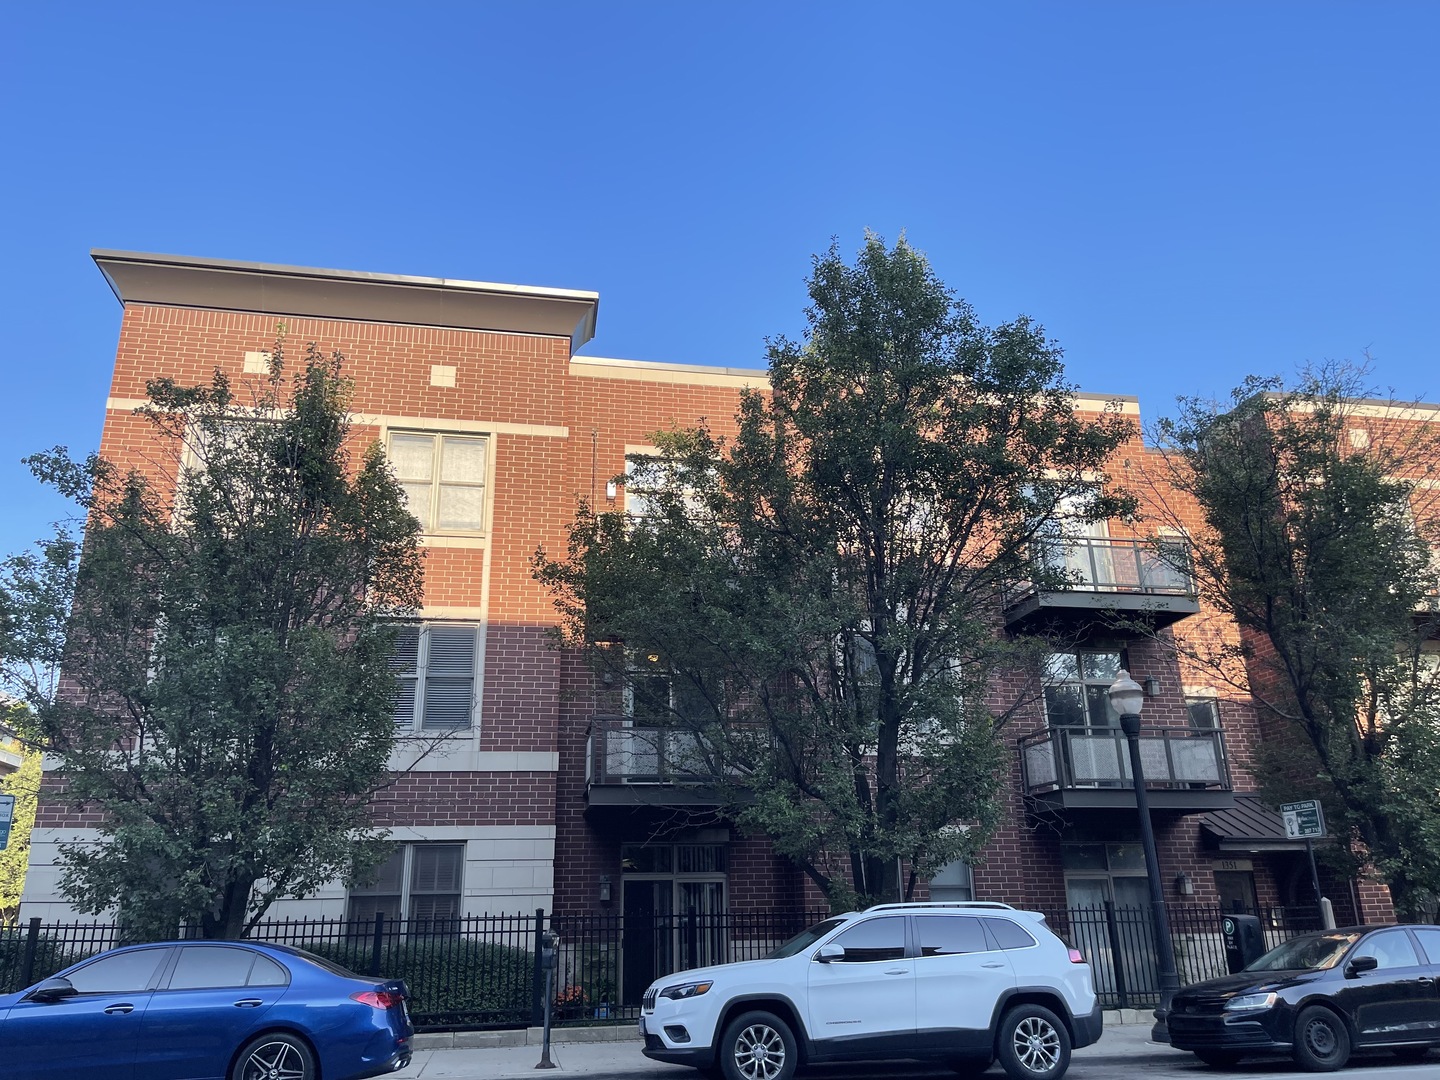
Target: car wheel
[758, 1046]
[1218, 1059]
[1033, 1044]
[276, 1056]
[1411, 1053]
[1322, 1042]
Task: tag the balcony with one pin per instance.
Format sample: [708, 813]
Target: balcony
[1119, 577]
[1089, 768]
[627, 765]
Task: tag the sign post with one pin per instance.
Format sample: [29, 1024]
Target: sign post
[7, 812]
[1306, 820]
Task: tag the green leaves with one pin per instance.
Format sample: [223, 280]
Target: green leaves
[825, 576]
[1318, 538]
[227, 705]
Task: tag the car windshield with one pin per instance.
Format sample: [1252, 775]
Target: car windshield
[805, 939]
[1310, 952]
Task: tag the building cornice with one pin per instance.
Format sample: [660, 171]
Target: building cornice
[350, 295]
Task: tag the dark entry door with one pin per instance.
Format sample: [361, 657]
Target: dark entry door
[648, 945]
[1237, 891]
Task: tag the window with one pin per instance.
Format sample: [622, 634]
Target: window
[1009, 935]
[655, 697]
[873, 940]
[1391, 949]
[953, 881]
[1204, 713]
[123, 973]
[444, 479]
[1075, 686]
[434, 666]
[204, 967]
[419, 882]
[950, 935]
[1430, 942]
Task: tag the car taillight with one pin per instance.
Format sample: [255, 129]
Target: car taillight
[1076, 956]
[377, 999]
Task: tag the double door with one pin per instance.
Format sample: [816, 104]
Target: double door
[1120, 942]
[670, 924]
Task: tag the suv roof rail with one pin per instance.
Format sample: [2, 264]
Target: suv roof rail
[993, 905]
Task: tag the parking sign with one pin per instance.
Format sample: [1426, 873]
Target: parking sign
[7, 811]
[1303, 820]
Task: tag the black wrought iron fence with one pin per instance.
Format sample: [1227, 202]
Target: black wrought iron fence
[1119, 943]
[474, 972]
[484, 971]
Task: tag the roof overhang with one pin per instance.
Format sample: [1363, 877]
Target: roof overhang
[352, 295]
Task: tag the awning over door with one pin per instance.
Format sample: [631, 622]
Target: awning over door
[1248, 827]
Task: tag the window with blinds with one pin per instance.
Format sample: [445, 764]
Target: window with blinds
[444, 479]
[434, 668]
[420, 883]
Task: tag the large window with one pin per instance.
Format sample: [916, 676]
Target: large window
[1076, 685]
[953, 881]
[434, 666]
[419, 882]
[444, 479]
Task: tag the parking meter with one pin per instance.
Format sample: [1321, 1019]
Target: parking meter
[548, 963]
[1244, 943]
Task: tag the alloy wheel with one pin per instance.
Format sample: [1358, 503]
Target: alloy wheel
[275, 1061]
[759, 1052]
[1037, 1044]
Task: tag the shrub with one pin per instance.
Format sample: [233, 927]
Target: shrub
[452, 981]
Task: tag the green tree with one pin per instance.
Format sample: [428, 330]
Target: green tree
[811, 604]
[24, 784]
[1319, 547]
[226, 700]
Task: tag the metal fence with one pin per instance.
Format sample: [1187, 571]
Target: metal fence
[476, 972]
[1119, 943]
[484, 971]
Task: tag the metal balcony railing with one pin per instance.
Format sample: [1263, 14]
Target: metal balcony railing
[1073, 758]
[1103, 565]
[618, 752]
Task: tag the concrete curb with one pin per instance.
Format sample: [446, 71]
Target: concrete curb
[607, 1033]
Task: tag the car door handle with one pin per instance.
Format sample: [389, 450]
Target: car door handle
[992, 965]
[248, 1003]
[1425, 980]
[898, 971]
[123, 1007]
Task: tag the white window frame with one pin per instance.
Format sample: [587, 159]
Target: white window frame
[422, 673]
[428, 520]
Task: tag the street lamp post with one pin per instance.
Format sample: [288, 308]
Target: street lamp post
[1127, 698]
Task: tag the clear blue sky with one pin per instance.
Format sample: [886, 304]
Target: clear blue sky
[1181, 193]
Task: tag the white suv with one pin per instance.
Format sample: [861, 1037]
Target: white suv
[963, 983]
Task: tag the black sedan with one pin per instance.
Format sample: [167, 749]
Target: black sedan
[1318, 997]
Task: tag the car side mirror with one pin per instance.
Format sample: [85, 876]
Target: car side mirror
[829, 952]
[1360, 965]
[52, 989]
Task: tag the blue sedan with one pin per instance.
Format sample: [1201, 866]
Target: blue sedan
[211, 1010]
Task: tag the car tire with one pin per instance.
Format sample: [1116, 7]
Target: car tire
[1032, 1044]
[758, 1046]
[1322, 1041]
[275, 1050]
[1218, 1059]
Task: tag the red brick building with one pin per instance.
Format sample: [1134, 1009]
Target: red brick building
[498, 428]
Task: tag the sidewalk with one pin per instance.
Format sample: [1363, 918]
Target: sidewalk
[619, 1057]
